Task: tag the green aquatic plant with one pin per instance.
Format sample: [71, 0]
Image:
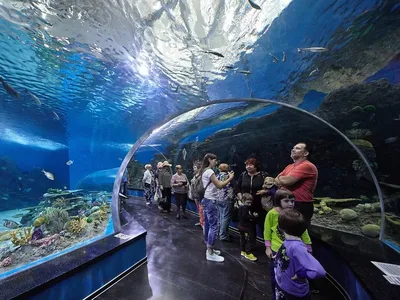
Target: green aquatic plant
[56, 217]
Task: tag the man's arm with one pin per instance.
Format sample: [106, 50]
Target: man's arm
[285, 180]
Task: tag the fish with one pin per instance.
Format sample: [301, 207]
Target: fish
[227, 67]
[355, 124]
[397, 119]
[56, 117]
[391, 139]
[27, 190]
[35, 99]
[119, 158]
[10, 90]
[19, 178]
[254, 5]
[11, 224]
[65, 187]
[275, 60]
[48, 175]
[70, 162]
[244, 72]
[214, 53]
[313, 49]
[284, 56]
[313, 72]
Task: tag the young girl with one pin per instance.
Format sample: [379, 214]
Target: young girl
[273, 236]
[293, 263]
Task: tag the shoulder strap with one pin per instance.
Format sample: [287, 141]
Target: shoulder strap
[207, 184]
[208, 181]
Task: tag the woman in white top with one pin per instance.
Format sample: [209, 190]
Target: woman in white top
[209, 204]
[149, 183]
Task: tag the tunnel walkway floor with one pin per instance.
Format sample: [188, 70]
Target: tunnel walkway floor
[177, 268]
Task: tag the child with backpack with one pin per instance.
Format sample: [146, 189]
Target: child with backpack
[273, 236]
[294, 265]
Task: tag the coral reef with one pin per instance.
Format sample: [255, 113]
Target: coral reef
[325, 209]
[369, 207]
[20, 237]
[45, 241]
[60, 203]
[76, 225]
[56, 219]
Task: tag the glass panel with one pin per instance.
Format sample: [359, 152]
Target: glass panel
[51, 203]
[345, 198]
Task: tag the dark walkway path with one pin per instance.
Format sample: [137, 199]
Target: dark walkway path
[177, 268]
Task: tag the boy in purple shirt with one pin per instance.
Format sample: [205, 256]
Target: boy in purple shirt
[294, 265]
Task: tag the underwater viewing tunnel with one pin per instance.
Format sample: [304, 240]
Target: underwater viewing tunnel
[96, 94]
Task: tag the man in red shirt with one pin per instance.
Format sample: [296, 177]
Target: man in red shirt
[301, 179]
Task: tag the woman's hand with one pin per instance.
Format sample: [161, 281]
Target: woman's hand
[231, 175]
[261, 192]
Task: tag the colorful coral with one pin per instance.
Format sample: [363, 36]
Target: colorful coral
[76, 225]
[60, 203]
[20, 238]
[45, 241]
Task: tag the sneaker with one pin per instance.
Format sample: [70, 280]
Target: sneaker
[214, 257]
[250, 256]
[242, 253]
[148, 203]
[217, 252]
[197, 224]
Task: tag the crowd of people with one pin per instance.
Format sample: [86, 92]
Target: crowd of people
[280, 208]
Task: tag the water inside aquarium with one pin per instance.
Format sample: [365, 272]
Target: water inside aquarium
[81, 81]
